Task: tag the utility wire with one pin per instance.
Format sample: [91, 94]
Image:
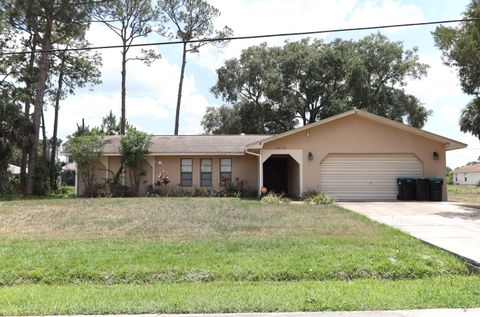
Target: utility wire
[89, 2]
[389, 26]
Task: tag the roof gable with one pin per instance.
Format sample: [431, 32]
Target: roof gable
[449, 143]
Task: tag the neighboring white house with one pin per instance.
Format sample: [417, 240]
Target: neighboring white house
[467, 174]
[13, 169]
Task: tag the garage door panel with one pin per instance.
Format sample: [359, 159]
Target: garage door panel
[366, 177]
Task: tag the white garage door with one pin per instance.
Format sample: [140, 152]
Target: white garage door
[366, 176]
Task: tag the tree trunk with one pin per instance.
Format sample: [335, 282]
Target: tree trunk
[45, 142]
[40, 90]
[180, 87]
[124, 91]
[28, 88]
[53, 155]
[3, 178]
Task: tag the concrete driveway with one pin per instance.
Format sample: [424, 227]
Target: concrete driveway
[448, 225]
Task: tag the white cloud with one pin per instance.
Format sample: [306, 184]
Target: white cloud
[441, 81]
[374, 12]
[273, 16]
[269, 17]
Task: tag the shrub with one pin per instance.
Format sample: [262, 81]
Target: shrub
[202, 192]
[112, 188]
[237, 188]
[319, 199]
[63, 192]
[450, 178]
[309, 194]
[159, 190]
[169, 191]
[86, 150]
[134, 147]
[272, 198]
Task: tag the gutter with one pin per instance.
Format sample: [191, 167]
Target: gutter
[252, 153]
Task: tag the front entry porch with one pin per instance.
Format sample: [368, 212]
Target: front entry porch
[282, 172]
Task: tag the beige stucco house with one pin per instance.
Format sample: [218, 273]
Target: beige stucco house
[352, 156]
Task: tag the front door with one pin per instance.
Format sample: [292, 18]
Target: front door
[275, 175]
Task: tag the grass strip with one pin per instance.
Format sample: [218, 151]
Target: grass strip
[363, 294]
[296, 258]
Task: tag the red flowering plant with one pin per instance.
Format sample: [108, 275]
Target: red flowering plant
[224, 181]
[163, 178]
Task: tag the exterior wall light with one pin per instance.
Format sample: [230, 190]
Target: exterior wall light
[435, 156]
[310, 156]
[307, 134]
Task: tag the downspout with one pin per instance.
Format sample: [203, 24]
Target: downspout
[260, 170]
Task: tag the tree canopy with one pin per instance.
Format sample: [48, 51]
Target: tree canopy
[14, 131]
[460, 47]
[86, 149]
[470, 118]
[273, 89]
[34, 25]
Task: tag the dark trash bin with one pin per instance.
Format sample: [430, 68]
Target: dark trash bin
[406, 188]
[435, 186]
[421, 189]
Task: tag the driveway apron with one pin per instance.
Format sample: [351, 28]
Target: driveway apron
[454, 227]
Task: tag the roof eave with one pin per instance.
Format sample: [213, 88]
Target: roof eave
[455, 145]
[449, 143]
[183, 154]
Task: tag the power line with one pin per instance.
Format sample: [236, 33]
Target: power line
[249, 37]
[89, 2]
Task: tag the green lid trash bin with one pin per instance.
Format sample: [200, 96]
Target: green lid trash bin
[406, 188]
[421, 189]
[435, 188]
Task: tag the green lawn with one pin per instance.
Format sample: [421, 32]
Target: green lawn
[469, 194]
[214, 255]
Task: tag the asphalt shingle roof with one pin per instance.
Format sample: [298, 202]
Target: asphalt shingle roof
[190, 144]
[468, 169]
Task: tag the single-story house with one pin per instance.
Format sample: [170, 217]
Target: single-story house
[469, 174]
[351, 156]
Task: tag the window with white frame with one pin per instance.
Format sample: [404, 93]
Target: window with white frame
[225, 171]
[206, 172]
[186, 170]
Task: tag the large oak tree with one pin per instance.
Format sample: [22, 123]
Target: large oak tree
[272, 89]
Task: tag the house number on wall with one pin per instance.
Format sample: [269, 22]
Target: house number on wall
[280, 147]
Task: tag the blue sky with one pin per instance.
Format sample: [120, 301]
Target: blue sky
[151, 91]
